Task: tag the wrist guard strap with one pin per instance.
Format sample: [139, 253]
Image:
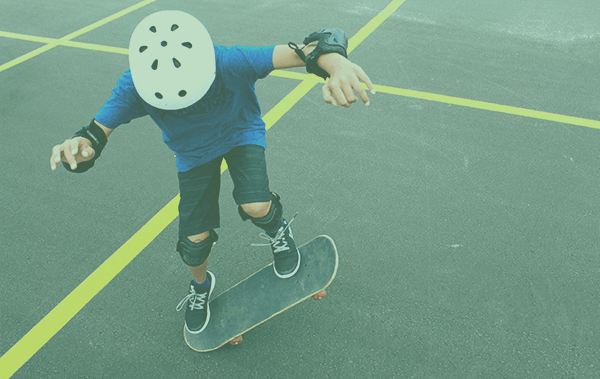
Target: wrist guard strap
[329, 41]
[98, 139]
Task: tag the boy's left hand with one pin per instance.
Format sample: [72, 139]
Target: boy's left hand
[344, 81]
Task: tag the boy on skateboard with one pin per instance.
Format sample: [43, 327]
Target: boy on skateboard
[202, 97]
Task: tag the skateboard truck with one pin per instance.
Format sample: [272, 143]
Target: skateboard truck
[237, 340]
[320, 295]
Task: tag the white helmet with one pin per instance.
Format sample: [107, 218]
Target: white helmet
[172, 60]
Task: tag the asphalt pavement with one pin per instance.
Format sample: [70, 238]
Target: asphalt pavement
[463, 200]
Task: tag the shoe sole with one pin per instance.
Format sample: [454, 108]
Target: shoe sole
[212, 286]
[286, 276]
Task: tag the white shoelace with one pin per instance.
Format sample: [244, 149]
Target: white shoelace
[277, 242]
[197, 301]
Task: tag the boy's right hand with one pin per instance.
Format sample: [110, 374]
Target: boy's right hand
[72, 151]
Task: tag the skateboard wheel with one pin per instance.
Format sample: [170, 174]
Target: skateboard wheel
[320, 295]
[237, 340]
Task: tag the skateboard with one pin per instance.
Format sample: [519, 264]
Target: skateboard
[263, 295]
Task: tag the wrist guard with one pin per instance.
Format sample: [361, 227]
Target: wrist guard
[98, 139]
[329, 41]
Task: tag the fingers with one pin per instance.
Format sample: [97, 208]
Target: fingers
[86, 150]
[343, 89]
[348, 90]
[55, 157]
[68, 153]
[328, 96]
[87, 153]
[362, 75]
[336, 93]
[342, 93]
[73, 145]
[71, 151]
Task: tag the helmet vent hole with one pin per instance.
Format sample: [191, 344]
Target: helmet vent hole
[158, 95]
[176, 63]
[182, 93]
[174, 27]
[187, 44]
[143, 48]
[153, 29]
[155, 64]
[163, 43]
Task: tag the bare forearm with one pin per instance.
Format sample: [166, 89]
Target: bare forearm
[284, 57]
[106, 130]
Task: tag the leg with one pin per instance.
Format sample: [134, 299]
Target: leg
[248, 169]
[199, 202]
[266, 215]
[199, 273]
[196, 303]
[257, 210]
[195, 254]
[286, 255]
[198, 217]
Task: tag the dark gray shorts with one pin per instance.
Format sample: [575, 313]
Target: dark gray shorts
[200, 187]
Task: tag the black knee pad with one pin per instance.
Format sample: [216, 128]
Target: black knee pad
[272, 221]
[195, 254]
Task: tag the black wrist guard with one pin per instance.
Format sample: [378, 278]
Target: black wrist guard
[98, 139]
[329, 41]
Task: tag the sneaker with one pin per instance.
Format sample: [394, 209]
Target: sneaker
[196, 303]
[286, 256]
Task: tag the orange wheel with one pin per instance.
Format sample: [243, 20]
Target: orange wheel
[320, 295]
[237, 340]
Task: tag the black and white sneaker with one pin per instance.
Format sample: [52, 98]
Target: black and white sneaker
[196, 303]
[286, 256]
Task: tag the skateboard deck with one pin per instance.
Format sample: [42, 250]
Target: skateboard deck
[263, 296]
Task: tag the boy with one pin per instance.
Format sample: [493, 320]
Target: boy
[202, 97]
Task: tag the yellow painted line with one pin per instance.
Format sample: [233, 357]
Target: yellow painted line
[96, 47]
[373, 24]
[289, 101]
[357, 39]
[25, 57]
[476, 104]
[37, 337]
[26, 37]
[106, 20]
[66, 39]
[56, 319]
[490, 106]
[58, 42]
[294, 75]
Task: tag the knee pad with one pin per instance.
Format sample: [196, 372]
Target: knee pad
[272, 221]
[195, 254]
